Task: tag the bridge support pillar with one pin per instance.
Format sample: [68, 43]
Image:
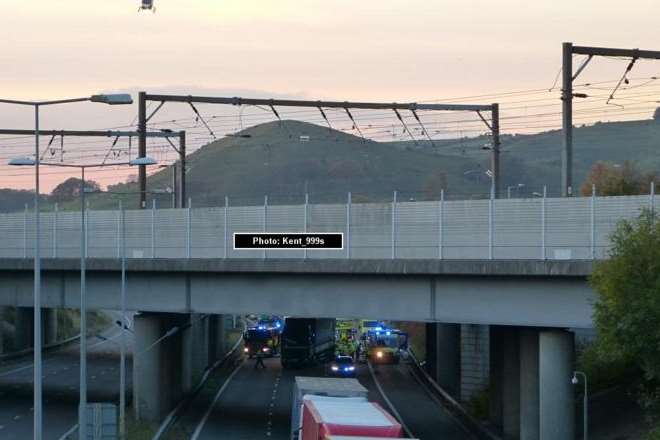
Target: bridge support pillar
[187, 353]
[157, 372]
[556, 398]
[443, 354]
[2, 330]
[49, 325]
[474, 360]
[505, 380]
[25, 327]
[24, 324]
[529, 384]
[217, 333]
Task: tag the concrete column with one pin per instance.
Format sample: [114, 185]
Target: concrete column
[221, 348]
[217, 337]
[49, 325]
[529, 384]
[187, 350]
[157, 384]
[443, 354]
[511, 384]
[2, 328]
[556, 399]
[505, 380]
[474, 360]
[496, 371]
[24, 328]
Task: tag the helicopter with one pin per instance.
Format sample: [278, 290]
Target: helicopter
[147, 5]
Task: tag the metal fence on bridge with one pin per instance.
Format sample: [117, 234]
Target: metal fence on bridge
[538, 228]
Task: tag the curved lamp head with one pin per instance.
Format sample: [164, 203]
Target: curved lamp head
[574, 380]
[22, 161]
[113, 99]
[143, 161]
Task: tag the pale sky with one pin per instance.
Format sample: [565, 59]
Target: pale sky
[381, 50]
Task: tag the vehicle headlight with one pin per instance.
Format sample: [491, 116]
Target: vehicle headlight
[379, 354]
[266, 349]
[246, 349]
[351, 368]
[335, 368]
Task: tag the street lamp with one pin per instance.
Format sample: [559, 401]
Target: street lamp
[112, 99]
[585, 419]
[508, 189]
[82, 425]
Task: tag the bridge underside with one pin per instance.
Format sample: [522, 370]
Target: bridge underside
[533, 293]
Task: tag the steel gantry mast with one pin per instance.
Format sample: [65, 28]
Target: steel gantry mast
[567, 95]
[493, 126]
[180, 190]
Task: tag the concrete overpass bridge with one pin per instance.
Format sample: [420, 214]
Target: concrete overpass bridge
[499, 282]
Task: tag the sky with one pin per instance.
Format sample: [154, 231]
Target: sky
[382, 50]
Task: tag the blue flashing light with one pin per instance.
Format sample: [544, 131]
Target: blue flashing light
[378, 328]
[388, 333]
[278, 325]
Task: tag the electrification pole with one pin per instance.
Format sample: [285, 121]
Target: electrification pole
[567, 120]
[182, 171]
[142, 147]
[567, 95]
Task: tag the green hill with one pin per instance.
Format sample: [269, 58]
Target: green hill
[273, 159]
[535, 160]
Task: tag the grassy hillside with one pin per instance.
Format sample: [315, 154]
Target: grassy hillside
[274, 161]
[536, 159]
[271, 159]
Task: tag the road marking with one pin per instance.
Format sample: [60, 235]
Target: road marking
[389, 403]
[440, 404]
[269, 425]
[66, 435]
[29, 366]
[199, 428]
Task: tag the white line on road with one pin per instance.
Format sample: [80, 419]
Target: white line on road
[66, 435]
[25, 367]
[389, 403]
[199, 428]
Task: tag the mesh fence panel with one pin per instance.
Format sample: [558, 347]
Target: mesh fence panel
[453, 229]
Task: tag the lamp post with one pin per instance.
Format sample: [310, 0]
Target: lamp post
[114, 99]
[585, 402]
[82, 425]
[517, 187]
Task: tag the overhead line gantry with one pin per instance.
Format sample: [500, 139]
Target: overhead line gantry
[143, 118]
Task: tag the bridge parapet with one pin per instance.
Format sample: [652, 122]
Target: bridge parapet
[503, 229]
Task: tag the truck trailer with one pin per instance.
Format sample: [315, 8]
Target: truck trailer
[308, 387]
[339, 416]
[307, 341]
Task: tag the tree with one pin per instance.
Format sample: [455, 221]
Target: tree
[70, 189]
[617, 180]
[656, 114]
[627, 310]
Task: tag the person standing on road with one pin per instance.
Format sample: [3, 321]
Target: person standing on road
[260, 361]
